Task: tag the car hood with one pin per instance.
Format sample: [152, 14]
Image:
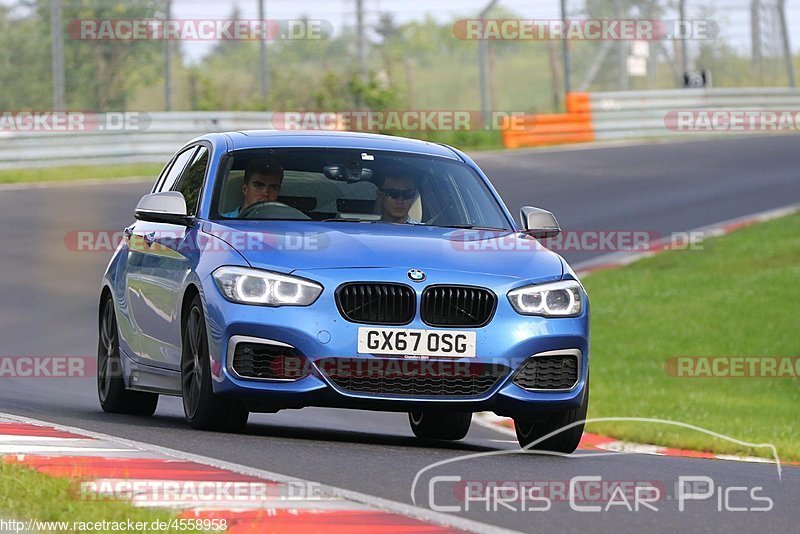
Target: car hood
[288, 246]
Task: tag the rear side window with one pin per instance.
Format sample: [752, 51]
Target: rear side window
[175, 172]
[192, 181]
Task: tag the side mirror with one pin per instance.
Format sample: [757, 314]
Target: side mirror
[539, 223]
[167, 207]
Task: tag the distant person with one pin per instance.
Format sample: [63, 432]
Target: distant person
[396, 194]
[262, 182]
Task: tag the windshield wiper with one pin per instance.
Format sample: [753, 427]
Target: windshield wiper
[474, 227]
[352, 220]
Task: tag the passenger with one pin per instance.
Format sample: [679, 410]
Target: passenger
[396, 194]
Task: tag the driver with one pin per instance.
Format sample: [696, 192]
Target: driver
[396, 194]
[262, 183]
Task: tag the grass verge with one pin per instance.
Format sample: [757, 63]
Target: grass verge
[77, 173]
[26, 494]
[468, 140]
[739, 296]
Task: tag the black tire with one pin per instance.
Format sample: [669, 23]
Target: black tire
[437, 425]
[204, 410]
[114, 396]
[531, 429]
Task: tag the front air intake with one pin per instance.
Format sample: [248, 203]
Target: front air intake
[265, 361]
[457, 306]
[376, 303]
[548, 372]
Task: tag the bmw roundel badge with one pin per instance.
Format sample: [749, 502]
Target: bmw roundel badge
[416, 275]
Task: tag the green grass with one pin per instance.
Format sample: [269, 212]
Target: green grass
[739, 296]
[462, 140]
[76, 173]
[26, 494]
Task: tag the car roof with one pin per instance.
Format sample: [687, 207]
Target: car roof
[247, 139]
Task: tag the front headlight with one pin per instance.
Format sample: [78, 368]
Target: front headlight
[251, 286]
[557, 299]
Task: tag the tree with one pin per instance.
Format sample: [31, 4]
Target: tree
[100, 75]
[23, 60]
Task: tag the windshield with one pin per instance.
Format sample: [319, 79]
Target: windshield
[355, 186]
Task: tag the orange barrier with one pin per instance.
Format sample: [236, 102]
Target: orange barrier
[574, 126]
[578, 103]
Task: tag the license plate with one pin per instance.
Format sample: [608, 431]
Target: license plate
[411, 342]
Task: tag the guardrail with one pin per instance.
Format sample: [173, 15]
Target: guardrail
[589, 117]
[649, 114]
[161, 134]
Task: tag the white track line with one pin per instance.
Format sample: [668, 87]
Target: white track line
[407, 510]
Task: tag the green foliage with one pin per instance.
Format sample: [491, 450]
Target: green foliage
[99, 75]
[76, 173]
[103, 74]
[24, 59]
[419, 65]
[462, 139]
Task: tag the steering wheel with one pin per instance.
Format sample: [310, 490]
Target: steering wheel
[435, 218]
[267, 209]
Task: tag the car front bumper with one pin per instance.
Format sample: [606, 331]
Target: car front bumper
[319, 332]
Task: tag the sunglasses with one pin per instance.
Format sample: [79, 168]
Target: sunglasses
[396, 194]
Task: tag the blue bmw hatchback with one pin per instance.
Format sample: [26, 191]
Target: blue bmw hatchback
[274, 270]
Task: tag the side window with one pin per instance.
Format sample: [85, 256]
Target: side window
[192, 181]
[161, 176]
[177, 167]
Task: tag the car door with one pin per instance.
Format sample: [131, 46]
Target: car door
[142, 310]
[169, 260]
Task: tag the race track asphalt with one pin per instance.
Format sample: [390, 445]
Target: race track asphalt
[48, 300]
